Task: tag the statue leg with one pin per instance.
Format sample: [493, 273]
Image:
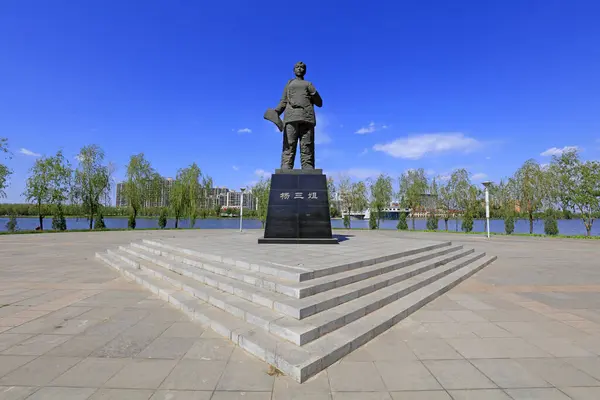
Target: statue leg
[307, 146]
[290, 142]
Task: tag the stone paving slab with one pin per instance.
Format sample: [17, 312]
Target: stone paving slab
[532, 317]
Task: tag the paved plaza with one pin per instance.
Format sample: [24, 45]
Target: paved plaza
[525, 327]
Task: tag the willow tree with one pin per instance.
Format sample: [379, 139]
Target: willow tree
[48, 184]
[412, 188]
[91, 181]
[4, 170]
[381, 195]
[260, 191]
[531, 188]
[459, 186]
[178, 197]
[142, 184]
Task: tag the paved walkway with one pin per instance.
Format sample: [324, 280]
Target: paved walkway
[526, 327]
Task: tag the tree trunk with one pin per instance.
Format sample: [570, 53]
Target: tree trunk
[531, 223]
[413, 222]
[446, 222]
[91, 221]
[176, 222]
[41, 222]
[588, 227]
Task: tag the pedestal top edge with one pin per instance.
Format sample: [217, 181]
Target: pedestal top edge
[299, 171]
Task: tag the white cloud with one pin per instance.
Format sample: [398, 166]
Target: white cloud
[244, 130]
[416, 146]
[361, 173]
[370, 128]
[235, 168]
[262, 173]
[365, 151]
[444, 177]
[29, 153]
[430, 172]
[555, 151]
[478, 176]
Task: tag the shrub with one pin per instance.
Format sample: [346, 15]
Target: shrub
[162, 219]
[59, 222]
[509, 224]
[432, 222]
[550, 224]
[99, 222]
[12, 225]
[467, 222]
[402, 224]
[347, 221]
[372, 221]
[131, 221]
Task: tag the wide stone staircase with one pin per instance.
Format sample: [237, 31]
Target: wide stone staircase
[298, 320]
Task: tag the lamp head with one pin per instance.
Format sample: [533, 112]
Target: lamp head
[486, 183]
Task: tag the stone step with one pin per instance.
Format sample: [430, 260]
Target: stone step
[306, 330]
[299, 362]
[294, 273]
[296, 289]
[305, 307]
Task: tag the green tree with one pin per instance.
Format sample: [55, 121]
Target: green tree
[261, 191]
[550, 224]
[445, 203]
[531, 189]
[99, 223]
[412, 188]
[178, 197]
[402, 225]
[59, 222]
[142, 184]
[162, 219]
[131, 221]
[4, 170]
[192, 182]
[372, 220]
[381, 195]
[92, 181]
[467, 222]
[12, 225]
[459, 187]
[344, 189]
[562, 183]
[48, 184]
[586, 195]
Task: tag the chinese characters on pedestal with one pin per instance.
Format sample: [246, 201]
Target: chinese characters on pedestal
[298, 195]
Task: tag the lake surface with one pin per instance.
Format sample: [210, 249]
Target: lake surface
[566, 227]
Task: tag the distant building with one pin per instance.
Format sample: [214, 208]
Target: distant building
[212, 198]
[162, 199]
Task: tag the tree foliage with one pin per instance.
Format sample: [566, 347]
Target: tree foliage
[402, 224]
[48, 184]
[381, 195]
[531, 189]
[142, 185]
[92, 181]
[261, 191]
[162, 219]
[412, 188]
[4, 170]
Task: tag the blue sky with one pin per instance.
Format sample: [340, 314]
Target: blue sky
[483, 85]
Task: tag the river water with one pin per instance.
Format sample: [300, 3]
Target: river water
[566, 227]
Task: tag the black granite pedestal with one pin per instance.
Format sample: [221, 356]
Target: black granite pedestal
[298, 209]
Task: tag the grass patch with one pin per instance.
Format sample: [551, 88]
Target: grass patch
[541, 235]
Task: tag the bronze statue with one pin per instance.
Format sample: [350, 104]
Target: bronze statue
[297, 103]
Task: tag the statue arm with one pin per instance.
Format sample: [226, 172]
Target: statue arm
[315, 97]
[282, 103]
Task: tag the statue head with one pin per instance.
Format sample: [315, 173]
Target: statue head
[300, 69]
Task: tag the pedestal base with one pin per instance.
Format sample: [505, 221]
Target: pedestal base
[298, 210]
[297, 241]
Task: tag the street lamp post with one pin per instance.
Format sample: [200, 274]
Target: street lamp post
[487, 184]
[242, 208]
